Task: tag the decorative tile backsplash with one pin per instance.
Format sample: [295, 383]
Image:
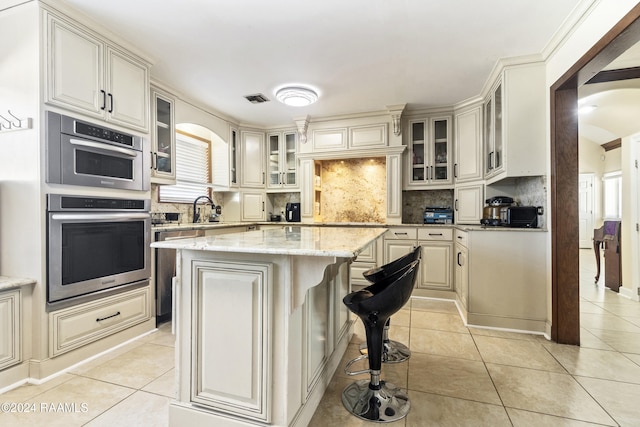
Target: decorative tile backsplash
[184, 209]
[354, 190]
[414, 202]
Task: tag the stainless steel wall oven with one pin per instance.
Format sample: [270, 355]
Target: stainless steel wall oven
[81, 153]
[95, 245]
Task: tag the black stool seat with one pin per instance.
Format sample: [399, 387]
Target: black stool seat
[393, 351]
[375, 400]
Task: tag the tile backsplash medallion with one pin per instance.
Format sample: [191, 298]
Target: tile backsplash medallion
[354, 190]
[414, 202]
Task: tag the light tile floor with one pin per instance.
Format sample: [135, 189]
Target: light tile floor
[457, 376]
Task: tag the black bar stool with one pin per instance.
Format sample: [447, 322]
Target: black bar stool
[393, 351]
[374, 399]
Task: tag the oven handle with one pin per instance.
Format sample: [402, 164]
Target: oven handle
[105, 216]
[100, 146]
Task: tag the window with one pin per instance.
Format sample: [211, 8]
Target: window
[612, 195]
[192, 171]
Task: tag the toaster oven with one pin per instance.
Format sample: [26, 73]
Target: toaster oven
[519, 216]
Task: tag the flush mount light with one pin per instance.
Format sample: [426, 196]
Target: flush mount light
[296, 96]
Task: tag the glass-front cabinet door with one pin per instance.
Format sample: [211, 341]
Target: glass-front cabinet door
[493, 132]
[281, 160]
[430, 152]
[163, 147]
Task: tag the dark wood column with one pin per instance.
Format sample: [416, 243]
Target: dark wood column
[564, 204]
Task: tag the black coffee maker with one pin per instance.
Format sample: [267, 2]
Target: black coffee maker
[292, 212]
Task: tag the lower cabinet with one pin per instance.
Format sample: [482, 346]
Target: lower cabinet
[238, 382]
[82, 324]
[366, 260]
[461, 268]
[437, 249]
[10, 325]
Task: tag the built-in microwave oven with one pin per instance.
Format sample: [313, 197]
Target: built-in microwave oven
[82, 153]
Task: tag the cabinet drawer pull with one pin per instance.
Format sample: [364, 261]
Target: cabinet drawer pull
[435, 234]
[100, 319]
[400, 234]
[460, 237]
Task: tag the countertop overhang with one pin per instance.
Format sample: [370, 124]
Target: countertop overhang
[344, 242]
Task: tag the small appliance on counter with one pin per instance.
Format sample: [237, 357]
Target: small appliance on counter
[292, 212]
[491, 213]
[520, 216]
[275, 218]
[438, 215]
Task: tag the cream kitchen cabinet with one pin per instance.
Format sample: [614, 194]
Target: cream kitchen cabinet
[252, 159]
[514, 123]
[253, 206]
[437, 248]
[373, 136]
[163, 138]
[90, 75]
[435, 266]
[461, 269]
[82, 324]
[282, 170]
[501, 278]
[366, 260]
[468, 203]
[468, 145]
[224, 162]
[10, 328]
[430, 156]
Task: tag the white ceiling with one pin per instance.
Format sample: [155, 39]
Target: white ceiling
[362, 55]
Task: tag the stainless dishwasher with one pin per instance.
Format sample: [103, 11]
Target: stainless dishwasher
[165, 271]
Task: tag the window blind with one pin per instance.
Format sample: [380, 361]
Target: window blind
[192, 171]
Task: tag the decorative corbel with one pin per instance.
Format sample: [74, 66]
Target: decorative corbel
[303, 124]
[396, 112]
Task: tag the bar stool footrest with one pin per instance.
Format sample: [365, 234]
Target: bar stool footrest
[393, 352]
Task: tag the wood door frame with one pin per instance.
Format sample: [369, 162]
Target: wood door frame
[565, 264]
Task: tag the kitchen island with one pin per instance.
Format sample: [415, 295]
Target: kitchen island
[260, 322]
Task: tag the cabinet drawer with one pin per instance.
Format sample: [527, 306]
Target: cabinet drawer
[435, 234]
[404, 233]
[462, 237]
[80, 325]
[357, 268]
[368, 254]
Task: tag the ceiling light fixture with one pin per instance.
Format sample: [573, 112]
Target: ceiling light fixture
[296, 96]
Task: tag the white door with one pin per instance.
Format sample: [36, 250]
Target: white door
[585, 202]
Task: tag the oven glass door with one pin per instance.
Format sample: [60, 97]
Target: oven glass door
[92, 252]
[93, 163]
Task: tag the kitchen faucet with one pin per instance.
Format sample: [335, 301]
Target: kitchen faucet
[196, 215]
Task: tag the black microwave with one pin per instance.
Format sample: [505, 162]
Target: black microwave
[519, 216]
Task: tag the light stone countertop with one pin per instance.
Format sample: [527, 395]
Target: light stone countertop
[344, 242]
[14, 282]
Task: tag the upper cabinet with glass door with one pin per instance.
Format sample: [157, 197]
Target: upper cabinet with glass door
[515, 123]
[429, 155]
[493, 132]
[163, 142]
[281, 158]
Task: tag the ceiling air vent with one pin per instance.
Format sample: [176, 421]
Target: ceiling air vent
[258, 98]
